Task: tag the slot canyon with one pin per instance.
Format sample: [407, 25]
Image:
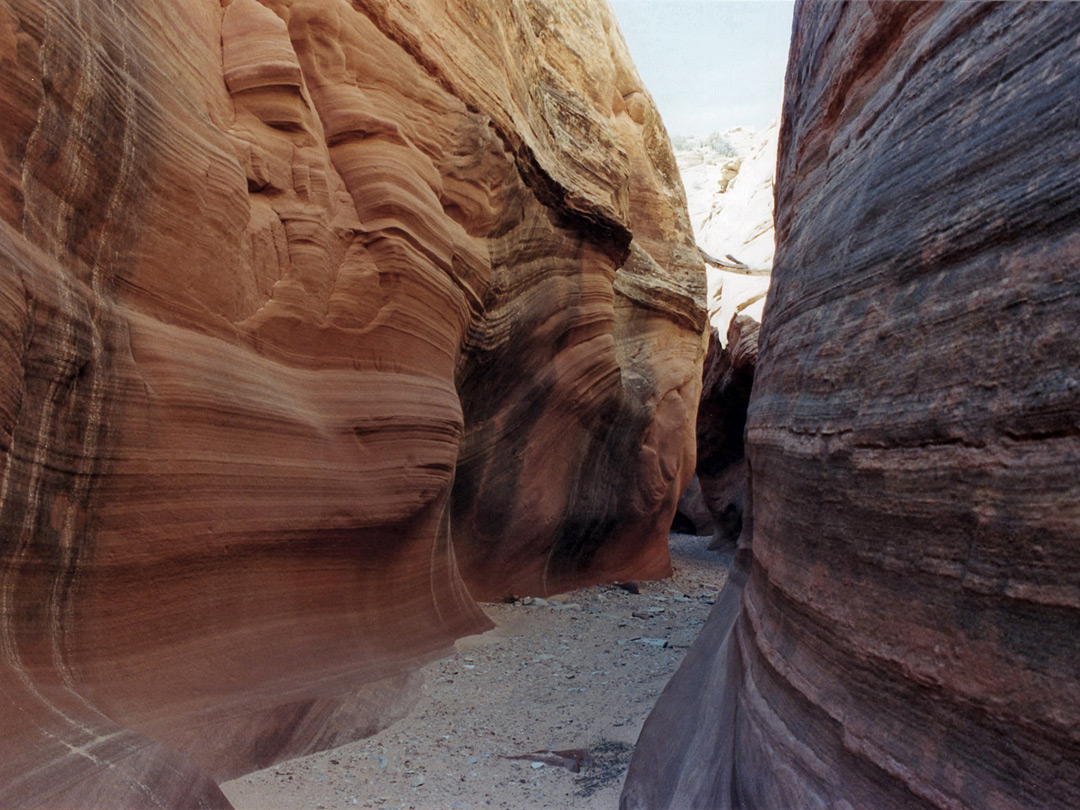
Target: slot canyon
[345, 343]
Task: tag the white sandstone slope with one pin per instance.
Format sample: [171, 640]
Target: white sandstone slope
[729, 189]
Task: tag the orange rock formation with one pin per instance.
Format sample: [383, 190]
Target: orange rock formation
[315, 317]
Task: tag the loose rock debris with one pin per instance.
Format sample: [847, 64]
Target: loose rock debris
[567, 677]
[573, 759]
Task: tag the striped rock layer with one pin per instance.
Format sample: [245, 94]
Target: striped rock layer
[318, 321]
[903, 631]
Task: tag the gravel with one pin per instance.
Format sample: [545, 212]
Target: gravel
[574, 674]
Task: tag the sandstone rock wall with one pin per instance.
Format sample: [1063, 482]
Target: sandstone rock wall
[903, 628]
[315, 316]
[727, 382]
[730, 201]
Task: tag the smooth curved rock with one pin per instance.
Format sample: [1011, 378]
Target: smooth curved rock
[907, 632]
[305, 307]
[692, 516]
[727, 382]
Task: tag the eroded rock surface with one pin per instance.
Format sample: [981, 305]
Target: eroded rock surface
[312, 315]
[727, 382]
[905, 630]
[730, 200]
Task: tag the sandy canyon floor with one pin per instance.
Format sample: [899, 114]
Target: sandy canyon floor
[577, 673]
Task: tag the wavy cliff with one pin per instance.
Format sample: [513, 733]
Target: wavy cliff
[318, 319]
[903, 633]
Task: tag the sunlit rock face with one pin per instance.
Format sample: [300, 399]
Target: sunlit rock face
[905, 634]
[730, 200]
[315, 316]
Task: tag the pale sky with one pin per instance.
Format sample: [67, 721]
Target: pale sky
[709, 64]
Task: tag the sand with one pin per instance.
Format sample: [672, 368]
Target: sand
[578, 672]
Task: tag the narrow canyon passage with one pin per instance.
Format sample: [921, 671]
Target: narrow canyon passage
[354, 355]
[579, 671]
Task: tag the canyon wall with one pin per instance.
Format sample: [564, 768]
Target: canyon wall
[721, 471]
[730, 201]
[318, 320]
[901, 628]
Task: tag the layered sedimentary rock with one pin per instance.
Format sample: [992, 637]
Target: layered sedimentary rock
[314, 316]
[692, 515]
[903, 630]
[727, 381]
[730, 201]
